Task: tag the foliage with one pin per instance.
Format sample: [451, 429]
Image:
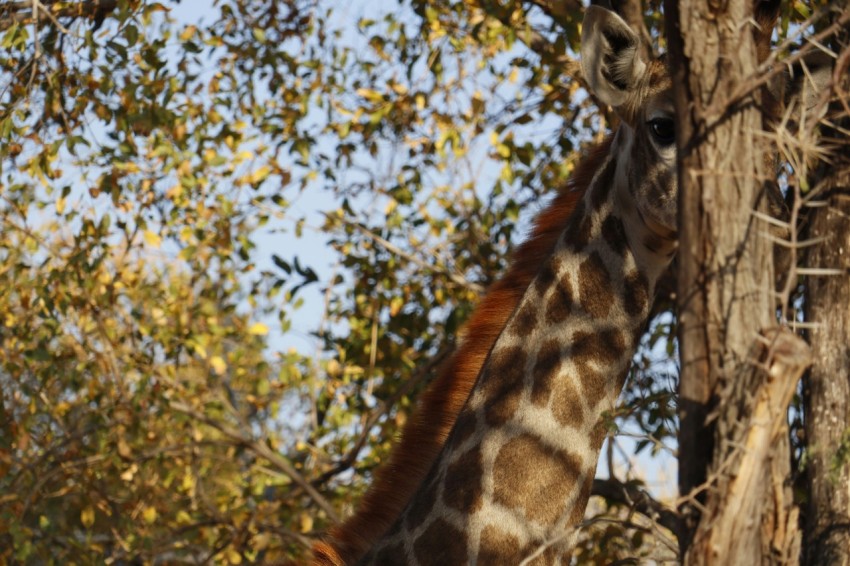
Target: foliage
[148, 161]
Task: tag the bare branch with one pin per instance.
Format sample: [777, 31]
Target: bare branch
[638, 499]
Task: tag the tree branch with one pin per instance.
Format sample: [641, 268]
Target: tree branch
[638, 499]
[28, 12]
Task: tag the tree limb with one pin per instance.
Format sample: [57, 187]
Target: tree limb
[638, 499]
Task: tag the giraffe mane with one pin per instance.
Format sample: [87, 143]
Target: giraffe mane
[437, 409]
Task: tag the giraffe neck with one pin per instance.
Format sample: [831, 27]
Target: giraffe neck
[516, 472]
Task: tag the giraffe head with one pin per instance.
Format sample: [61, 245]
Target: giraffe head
[640, 92]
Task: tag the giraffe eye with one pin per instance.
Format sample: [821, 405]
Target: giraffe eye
[663, 130]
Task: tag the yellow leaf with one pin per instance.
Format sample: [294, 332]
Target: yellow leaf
[399, 88]
[258, 329]
[395, 305]
[149, 515]
[124, 448]
[306, 523]
[87, 516]
[174, 192]
[129, 473]
[200, 350]
[153, 239]
[188, 33]
[188, 482]
[60, 205]
[183, 517]
[334, 368]
[219, 366]
[262, 541]
[370, 94]
[260, 174]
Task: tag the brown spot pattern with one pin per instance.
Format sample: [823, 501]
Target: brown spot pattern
[567, 405]
[594, 385]
[526, 319]
[464, 428]
[546, 367]
[598, 434]
[614, 234]
[559, 305]
[462, 488]
[391, 555]
[423, 502]
[581, 500]
[636, 296]
[499, 548]
[534, 479]
[595, 286]
[604, 347]
[544, 278]
[577, 234]
[503, 384]
[602, 188]
[441, 544]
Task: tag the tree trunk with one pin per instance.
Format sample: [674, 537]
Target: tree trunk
[827, 391]
[734, 382]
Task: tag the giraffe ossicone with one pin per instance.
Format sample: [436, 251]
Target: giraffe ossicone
[513, 478]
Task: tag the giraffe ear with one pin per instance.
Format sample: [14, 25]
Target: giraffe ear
[610, 55]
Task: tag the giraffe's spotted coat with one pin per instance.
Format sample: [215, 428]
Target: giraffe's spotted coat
[441, 543]
[460, 490]
[568, 404]
[507, 368]
[595, 285]
[500, 547]
[546, 371]
[518, 468]
[543, 470]
[560, 302]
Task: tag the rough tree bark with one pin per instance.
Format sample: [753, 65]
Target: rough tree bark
[827, 398]
[738, 370]
[827, 389]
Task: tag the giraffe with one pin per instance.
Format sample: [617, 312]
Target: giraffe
[638, 91]
[515, 474]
